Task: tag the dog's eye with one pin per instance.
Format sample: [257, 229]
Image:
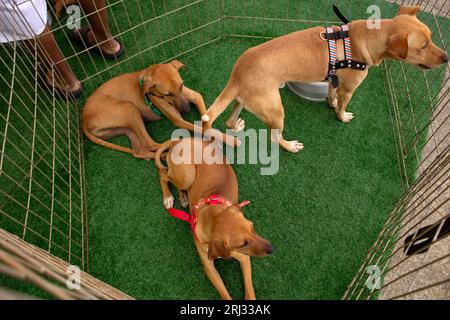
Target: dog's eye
[155, 95]
[244, 244]
[169, 94]
[425, 46]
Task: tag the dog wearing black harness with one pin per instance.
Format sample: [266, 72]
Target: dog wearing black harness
[315, 54]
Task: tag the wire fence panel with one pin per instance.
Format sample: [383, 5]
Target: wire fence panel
[411, 257]
[20, 260]
[41, 160]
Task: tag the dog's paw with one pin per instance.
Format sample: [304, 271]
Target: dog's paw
[293, 146]
[168, 202]
[235, 126]
[345, 117]
[206, 125]
[240, 125]
[183, 199]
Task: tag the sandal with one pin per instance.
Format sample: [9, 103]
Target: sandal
[42, 80]
[79, 36]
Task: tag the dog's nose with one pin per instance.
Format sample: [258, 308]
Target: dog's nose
[269, 249]
[445, 58]
[185, 107]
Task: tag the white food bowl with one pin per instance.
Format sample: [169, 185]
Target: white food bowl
[314, 91]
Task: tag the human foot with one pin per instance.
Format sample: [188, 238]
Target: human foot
[72, 85]
[110, 48]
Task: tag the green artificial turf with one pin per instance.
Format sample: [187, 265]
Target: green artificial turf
[323, 209]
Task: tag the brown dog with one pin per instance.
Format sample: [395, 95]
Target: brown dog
[220, 228]
[302, 56]
[118, 107]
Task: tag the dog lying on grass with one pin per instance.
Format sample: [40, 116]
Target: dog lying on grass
[217, 221]
[303, 56]
[120, 106]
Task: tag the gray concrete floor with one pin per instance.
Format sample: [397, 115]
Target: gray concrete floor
[429, 207]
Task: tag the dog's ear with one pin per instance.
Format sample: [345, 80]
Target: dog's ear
[409, 10]
[397, 47]
[177, 64]
[216, 249]
[147, 83]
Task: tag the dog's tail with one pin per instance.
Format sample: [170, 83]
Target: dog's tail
[166, 145]
[229, 93]
[105, 143]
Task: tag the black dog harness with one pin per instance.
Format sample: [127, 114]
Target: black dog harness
[332, 36]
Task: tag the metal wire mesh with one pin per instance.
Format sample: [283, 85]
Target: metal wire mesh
[42, 187]
[41, 160]
[23, 261]
[408, 271]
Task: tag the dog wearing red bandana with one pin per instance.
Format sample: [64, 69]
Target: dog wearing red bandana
[218, 224]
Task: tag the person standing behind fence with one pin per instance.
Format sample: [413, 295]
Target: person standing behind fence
[27, 20]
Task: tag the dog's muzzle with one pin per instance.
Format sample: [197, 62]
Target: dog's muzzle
[185, 107]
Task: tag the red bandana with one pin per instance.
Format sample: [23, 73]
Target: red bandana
[212, 200]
